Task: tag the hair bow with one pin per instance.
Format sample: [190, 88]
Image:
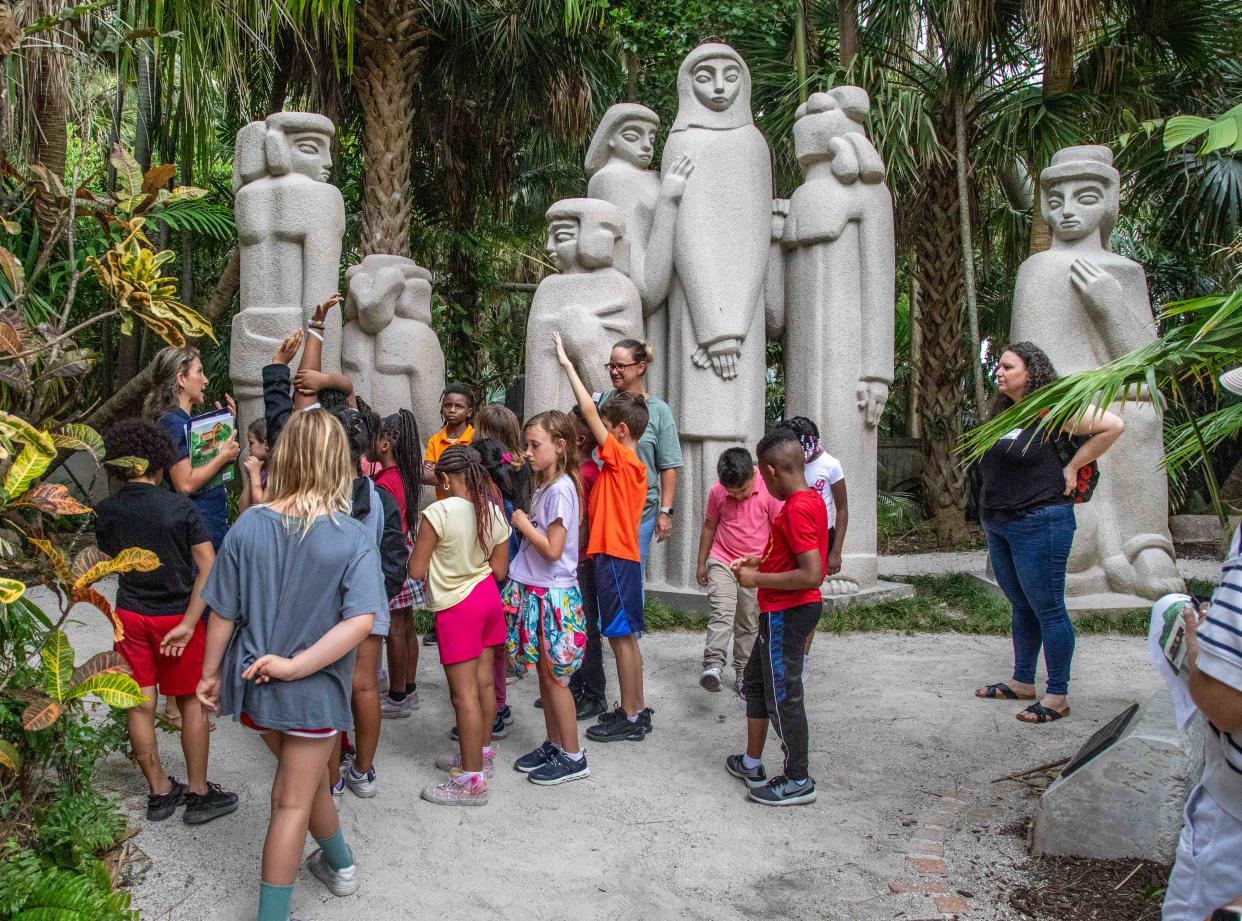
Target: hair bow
[507, 458]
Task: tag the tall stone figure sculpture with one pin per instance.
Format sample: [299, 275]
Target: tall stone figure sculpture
[713, 325]
[289, 226]
[588, 302]
[388, 347]
[839, 290]
[1085, 305]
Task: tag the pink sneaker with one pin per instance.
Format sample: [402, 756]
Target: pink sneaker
[452, 763]
[456, 793]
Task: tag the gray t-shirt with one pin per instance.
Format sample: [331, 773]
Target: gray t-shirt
[659, 448]
[286, 590]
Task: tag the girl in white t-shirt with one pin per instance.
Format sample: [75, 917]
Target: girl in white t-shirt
[542, 596]
[462, 550]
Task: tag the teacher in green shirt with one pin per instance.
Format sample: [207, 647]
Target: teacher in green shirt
[659, 448]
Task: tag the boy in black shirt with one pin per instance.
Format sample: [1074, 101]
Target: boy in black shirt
[161, 615]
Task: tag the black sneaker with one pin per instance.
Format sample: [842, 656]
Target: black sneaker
[499, 730]
[781, 791]
[532, 761]
[590, 707]
[560, 768]
[505, 716]
[429, 638]
[618, 729]
[538, 703]
[211, 805]
[753, 777]
[161, 805]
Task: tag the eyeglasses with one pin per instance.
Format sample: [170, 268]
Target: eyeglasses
[613, 366]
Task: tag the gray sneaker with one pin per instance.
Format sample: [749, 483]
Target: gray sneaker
[397, 709]
[753, 777]
[781, 791]
[339, 882]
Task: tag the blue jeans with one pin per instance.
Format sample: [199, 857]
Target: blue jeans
[646, 531]
[1029, 556]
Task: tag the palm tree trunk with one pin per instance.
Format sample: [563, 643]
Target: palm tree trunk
[388, 36]
[968, 250]
[940, 373]
[800, 48]
[914, 422]
[847, 32]
[49, 89]
[1058, 76]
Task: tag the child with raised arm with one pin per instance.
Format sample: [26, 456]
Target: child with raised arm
[549, 629]
[162, 615]
[788, 579]
[462, 550]
[617, 501]
[299, 581]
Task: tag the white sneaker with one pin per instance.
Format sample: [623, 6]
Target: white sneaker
[397, 709]
[339, 882]
[362, 785]
[710, 679]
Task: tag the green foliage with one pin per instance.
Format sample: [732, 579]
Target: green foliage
[77, 826]
[32, 889]
[897, 514]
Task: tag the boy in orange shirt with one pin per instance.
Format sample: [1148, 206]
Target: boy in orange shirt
[614, 509]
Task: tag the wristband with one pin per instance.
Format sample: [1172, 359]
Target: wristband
[314, 332]
[666, 510]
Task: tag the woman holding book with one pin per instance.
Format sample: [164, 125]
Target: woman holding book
[178, 383]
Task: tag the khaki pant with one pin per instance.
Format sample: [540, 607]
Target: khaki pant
[735, 613]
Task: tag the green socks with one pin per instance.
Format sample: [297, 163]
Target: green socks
[274, 901]
[336, 851]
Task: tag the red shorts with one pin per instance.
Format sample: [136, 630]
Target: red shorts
[477, 621]
[175, 676]
[300, 733]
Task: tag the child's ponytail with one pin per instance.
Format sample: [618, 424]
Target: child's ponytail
[402, 429]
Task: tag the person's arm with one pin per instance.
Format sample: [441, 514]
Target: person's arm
[668, 496]
[188, 479]
[1216, 700]
[590, 415]
[337, 642]
[312, 355]
[1102, 428]
[499, 560]
[706, 536]
[842, 504]
[550, 546]
[219, 632]
[277, 401]
[424, 547]
[808, 575]
[176, 639]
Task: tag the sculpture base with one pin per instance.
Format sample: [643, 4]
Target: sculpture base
[1111, 604]
[688, 600]
[1126, 800]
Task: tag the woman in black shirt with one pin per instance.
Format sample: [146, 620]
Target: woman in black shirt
[1027, 511]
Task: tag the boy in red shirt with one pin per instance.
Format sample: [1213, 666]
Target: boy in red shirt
[788, 579]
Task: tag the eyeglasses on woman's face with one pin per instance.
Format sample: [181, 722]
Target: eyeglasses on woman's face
[614, 366]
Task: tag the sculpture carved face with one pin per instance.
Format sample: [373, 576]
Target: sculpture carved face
[310, 155]
[562, 246]
[1077, 207]
[634, 142]
[717, 82]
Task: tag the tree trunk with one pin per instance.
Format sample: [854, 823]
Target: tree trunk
[48, 75]
[847, 32]
[1058, 77]
[800, 62]
[914, 423]
[941, 371]
[968, 250]
[388, 36]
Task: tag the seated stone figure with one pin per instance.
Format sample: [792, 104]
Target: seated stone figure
[587, 301]
[289, 226]
[389, 349]
[1085, 305]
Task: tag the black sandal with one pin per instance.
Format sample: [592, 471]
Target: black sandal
[1002, 690]
[1043, 714]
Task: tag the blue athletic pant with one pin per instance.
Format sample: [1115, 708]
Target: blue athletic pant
[772, 680]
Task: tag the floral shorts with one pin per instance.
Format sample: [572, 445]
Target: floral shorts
[557, 614]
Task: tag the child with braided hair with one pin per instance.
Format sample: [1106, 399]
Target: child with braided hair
[397, 451]
[462, 551]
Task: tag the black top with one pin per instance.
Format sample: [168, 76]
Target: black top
[1021, 473]
[164, 522]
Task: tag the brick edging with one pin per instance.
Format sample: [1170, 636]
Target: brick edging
[925, 851]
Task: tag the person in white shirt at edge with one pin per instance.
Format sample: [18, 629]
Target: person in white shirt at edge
[1206, 881]
[825, 476]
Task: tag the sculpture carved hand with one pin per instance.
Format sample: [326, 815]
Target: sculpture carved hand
[673, 186]
[375, 299]
[720, 356]
[1101, 292]
[872, 397]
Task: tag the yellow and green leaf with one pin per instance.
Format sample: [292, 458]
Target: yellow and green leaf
[19, 429]
[108, 662]
[9, 757]
[52, 553]
[78, 436]
[11, 590]
[57, 657]
[136, 465]
[118, 691]
[132, 559]
[28, 467]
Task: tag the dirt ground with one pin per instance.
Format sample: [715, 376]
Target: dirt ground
[660, 830]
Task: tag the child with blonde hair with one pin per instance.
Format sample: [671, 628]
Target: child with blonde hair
[299, 582]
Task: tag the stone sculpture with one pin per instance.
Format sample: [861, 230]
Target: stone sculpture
[289, 225]
[388, 347]
[712, 328]
[839, 289]
[587, 301]
[1085, 305]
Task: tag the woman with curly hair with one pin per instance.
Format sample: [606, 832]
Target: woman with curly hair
[1026, 507]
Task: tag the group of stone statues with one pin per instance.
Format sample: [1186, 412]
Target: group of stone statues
[700, 260]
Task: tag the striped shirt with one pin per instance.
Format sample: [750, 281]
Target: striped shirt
[1220, 657]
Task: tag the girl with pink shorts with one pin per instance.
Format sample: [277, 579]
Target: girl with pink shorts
[462, 551]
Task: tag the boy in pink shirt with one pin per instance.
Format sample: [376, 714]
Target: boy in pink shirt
[740, 512]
